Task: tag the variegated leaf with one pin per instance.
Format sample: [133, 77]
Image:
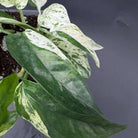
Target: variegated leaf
[54, 15]
[20, 4]
[23, 104]
[55, 18]
[71, 34]
[43, 42]
[75, 55]
[7, 3]
[37, 106]
[39, 3]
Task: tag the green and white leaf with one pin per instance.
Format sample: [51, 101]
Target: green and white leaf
[37, 106]
[71, 34]
[42, 42]
[51, 69]
[75, 55]
[21, 4]
[53, 16]
[39, 4]
[7, 3]
[7, 89]
[8, 124]
[27, 111]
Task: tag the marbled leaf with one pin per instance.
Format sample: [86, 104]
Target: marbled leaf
[54, 15]
[38, 107]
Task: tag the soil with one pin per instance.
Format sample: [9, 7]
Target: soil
[7, 64]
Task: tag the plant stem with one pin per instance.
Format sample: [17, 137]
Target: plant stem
[21, 73]
[22, 16]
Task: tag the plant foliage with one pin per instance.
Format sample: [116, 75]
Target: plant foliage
[58, 103]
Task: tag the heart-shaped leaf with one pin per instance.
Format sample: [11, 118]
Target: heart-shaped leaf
[7, 89]
[39, 108]
[53, 16]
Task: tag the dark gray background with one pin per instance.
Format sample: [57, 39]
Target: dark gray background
[114, 25]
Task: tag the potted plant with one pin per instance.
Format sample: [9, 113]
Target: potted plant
[57, 102]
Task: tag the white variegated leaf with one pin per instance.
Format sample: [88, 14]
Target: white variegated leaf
[53, 16]
[74, 32]
[93, 44]
[43, 42]
[34, 118]
[20, 4]
[39, 3]
[75, 55]
[7, 3]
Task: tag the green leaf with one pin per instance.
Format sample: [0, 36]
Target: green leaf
[7, 89]
[13, 21]
[7, 3]
[43, 111]
[31, 3]
[10, 121]
[4, 14]
[53, 16]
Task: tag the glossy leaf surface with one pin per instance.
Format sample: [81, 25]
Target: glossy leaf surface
[7, 89]
[59, 79]
[48, 66]
[38, 107]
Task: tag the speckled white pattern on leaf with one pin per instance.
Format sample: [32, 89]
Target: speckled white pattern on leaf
[42, 42]
[54, 15]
